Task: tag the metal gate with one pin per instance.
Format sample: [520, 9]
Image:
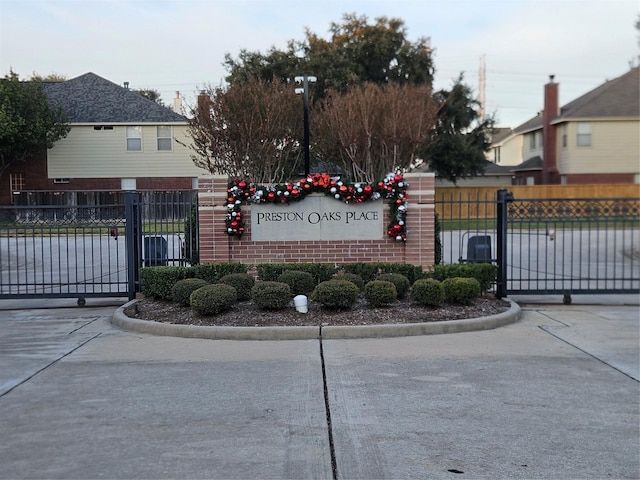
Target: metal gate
[92, 244]
[567, 246]
[545, 246]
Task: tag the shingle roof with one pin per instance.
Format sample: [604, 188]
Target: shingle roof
[534, 163]
[500, 134]
[491, 168]
[619, 97]
[90, 98]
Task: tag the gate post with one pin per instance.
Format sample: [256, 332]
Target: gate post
[133, 241]
[504, 197]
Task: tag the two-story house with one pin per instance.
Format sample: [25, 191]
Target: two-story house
[118, 140]
[593, 139]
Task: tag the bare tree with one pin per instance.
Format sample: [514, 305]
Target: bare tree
[373, 130]
[249, 130]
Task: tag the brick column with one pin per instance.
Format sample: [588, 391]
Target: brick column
[420, 244]
[212, 200]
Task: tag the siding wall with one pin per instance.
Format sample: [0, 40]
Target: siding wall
[615, 148]
[89, 153]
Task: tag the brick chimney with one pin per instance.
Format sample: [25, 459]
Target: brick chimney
[204, 105]
[551, 110]
[177, 104]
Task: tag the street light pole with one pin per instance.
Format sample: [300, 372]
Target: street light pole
[305, 79]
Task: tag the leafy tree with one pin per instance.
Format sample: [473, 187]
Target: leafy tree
[357, 52]
[150, 94]
[28, 124]
[357, 67]
[250, 130]
[52, 77]
[460, 138]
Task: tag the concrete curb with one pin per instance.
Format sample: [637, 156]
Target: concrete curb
[124, 322]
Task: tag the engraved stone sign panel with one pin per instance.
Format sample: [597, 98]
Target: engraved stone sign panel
[317, 218]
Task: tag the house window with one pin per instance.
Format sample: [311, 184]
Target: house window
[164, 137]
[134, 139]
[60, 180]
[532, 141]
[564, 136]
[584, 134]
[496, 155]
[17, 181]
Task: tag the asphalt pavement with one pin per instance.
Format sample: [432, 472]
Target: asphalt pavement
[553, 395]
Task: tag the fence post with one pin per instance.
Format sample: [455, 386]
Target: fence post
[133, 241]
[501, 239]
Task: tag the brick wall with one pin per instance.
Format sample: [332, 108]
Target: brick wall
[217, 246]
[36, 178]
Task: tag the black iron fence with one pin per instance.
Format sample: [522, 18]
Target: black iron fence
[545, 246]
[95, 247]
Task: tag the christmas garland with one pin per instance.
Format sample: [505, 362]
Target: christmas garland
[393, 187]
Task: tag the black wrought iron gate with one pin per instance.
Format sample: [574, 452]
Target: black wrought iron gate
[567, 246]
[92, 244]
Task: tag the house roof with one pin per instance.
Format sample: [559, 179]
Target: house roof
[90, 98]
[491, 168]
[500, 134]
[617, 98]
[534, 163]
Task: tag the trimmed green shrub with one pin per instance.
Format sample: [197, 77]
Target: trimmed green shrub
[484, 273]
[369, 271]
[157, 282]
[336, 294]
[182, 290]
[351, 277]
[427, 292]
[380, 293]
[400, 281]
[213, 299]
[461, 291]
[212, 272]
[366, 271]
[242, 282]
[269, 272]
[271, 295]
[301, 283]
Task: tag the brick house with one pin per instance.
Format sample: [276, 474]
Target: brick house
[593, 139]
[118, 140]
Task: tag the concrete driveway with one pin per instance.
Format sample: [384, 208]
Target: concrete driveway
[555, 395]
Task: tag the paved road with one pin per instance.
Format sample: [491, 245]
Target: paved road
[555, 395]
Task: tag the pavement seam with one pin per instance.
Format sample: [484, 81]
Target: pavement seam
[542, 327]
[327, 407]
[37, 372]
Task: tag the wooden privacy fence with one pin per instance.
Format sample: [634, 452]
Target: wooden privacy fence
[479, 202]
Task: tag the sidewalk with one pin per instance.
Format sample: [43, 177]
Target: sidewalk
[555, 395]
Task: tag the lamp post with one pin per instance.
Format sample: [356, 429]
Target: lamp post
[304, 90]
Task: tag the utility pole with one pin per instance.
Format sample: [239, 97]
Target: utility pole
[482, 87]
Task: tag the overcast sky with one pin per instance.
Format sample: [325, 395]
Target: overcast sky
[179, 45]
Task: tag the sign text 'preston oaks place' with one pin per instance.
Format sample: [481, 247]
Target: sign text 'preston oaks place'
[317, 218]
